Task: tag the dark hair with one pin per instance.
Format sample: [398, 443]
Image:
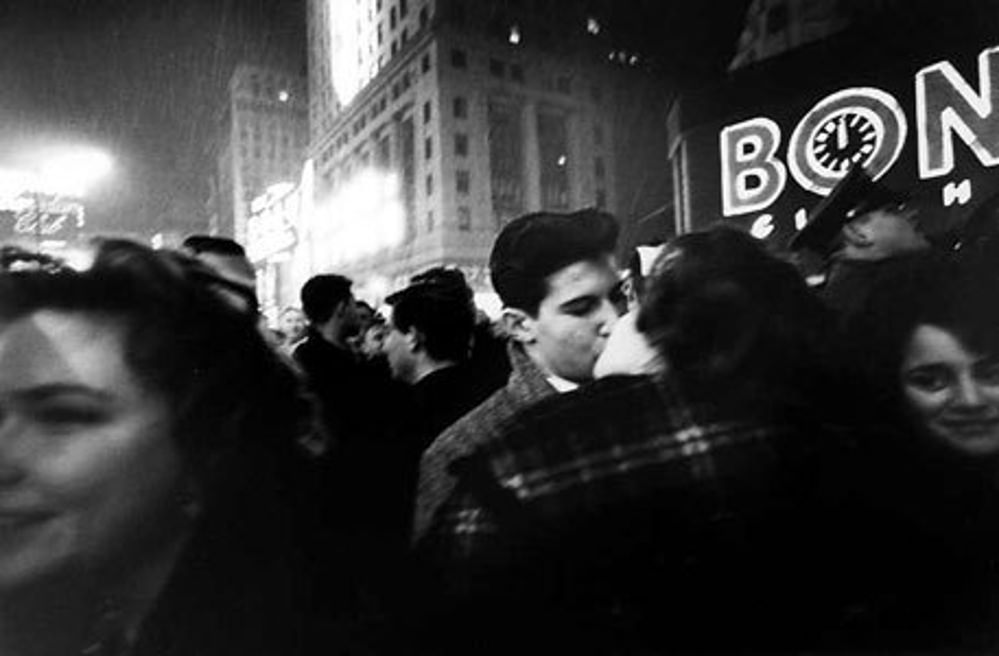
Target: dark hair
[923, 289]
[322, 294]
[534, 246]
[441, 311]
[198, 244]
[229, 391]
[735, 324]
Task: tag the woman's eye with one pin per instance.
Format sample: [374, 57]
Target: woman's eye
[987, 371]
[68, 415]
[930, 379]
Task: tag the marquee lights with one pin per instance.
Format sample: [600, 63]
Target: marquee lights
[863, 125]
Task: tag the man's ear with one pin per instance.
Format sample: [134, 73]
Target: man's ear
[414, 339]
[519, 325]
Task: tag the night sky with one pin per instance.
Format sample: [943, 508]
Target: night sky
[145, 79]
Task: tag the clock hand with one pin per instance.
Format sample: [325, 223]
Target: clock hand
[841, 137]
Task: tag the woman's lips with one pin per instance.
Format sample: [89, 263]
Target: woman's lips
[971, 427]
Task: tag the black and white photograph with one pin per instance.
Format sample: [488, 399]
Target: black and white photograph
[499, 327]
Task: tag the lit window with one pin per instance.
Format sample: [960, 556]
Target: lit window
[283, 96]
[562, 160]
[514, 34]
[592, 25]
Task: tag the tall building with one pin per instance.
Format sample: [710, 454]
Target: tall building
[776, 26]
[264, 135]
[434, 122]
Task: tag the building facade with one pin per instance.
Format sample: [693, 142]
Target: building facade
[433, 123]
[773, 27]
[264, 135]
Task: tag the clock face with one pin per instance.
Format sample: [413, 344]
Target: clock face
[844, 140]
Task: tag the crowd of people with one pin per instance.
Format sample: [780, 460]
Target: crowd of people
[708, 454]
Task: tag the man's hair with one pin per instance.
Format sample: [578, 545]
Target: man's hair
[322, 294]
[440, 309]
[534, 246]
[198, 244]
[228, 259]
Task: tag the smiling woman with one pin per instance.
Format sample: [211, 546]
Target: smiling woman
[927, 346]
[146, 449]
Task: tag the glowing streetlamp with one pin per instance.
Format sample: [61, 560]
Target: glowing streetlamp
[73, 172]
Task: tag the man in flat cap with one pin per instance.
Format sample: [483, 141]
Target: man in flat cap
[556, 276]
[859, 228]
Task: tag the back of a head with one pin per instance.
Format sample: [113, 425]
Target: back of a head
[228, 259]
[534, 246]
[441, 311]
[199, 244]
[322, 294]
[729, 318]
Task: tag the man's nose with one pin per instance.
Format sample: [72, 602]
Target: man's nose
[609, 314]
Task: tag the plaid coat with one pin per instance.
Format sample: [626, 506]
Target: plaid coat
[526, 385]
[620, 515]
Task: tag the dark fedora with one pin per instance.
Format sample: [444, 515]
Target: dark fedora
[852, 196]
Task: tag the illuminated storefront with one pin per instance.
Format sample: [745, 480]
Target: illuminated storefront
[272, 236]
[760, 151]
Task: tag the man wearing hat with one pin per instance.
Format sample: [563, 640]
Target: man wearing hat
[859, 228]
[556, 276]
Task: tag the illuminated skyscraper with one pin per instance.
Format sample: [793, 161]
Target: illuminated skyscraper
[434, 122]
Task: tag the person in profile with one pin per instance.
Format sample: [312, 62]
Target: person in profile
[861, 230]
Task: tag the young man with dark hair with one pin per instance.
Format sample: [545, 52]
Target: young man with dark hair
[556, 276]
[427, 349]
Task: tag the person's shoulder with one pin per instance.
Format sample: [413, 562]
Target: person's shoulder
[475, 420]
[593, 404]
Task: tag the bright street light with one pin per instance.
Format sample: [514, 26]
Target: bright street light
[73, 172]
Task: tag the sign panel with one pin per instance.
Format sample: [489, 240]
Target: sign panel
[931, 127]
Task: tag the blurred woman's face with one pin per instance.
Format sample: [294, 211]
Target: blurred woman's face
[90, 476]
[952, 392]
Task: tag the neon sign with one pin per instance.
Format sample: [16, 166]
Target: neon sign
[864, 125]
